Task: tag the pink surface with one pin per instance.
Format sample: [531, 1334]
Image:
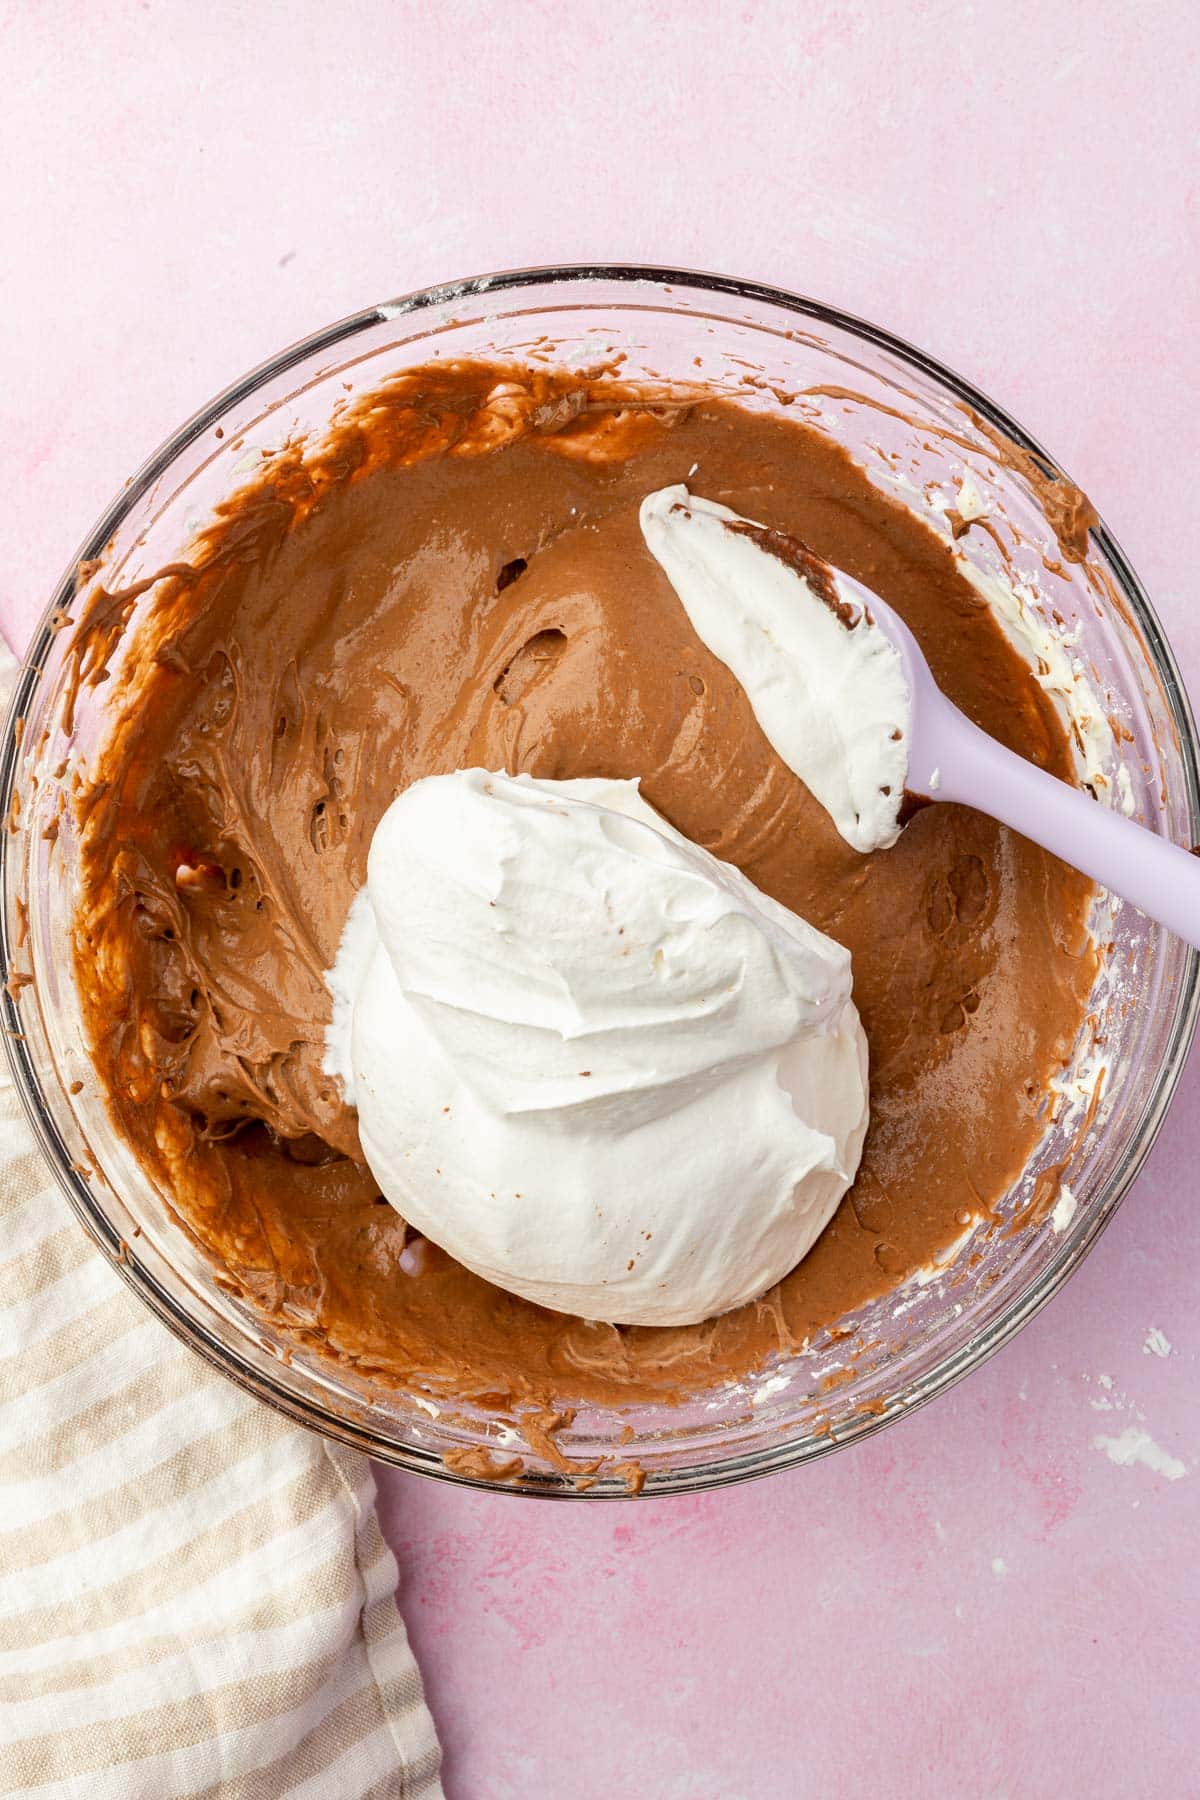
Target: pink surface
[980, 1601]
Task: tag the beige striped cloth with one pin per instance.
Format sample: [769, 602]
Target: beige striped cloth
[195, 1596]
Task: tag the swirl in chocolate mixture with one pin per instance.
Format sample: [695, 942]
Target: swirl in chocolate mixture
[457, 579]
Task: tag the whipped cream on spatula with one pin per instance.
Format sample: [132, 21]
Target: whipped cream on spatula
[825, 683]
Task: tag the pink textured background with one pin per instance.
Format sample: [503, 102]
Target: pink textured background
[979, 1601]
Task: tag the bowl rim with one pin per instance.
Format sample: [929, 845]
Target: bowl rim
[315, 1415]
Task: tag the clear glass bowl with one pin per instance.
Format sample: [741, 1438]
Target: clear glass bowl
[916, 427]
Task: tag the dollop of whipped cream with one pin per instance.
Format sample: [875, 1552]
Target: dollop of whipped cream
[591, 1061]
[824, 682]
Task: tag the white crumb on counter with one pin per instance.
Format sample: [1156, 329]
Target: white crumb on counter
[1134, 1446]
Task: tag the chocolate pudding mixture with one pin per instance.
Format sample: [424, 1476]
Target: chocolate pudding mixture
[458, 579]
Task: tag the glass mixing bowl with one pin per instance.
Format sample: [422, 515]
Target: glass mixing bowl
[918, 429]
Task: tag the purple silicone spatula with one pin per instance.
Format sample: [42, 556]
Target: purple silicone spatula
[829, 697]
[951, 759]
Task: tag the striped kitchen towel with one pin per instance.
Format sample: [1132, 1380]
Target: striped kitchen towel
[195, 1596]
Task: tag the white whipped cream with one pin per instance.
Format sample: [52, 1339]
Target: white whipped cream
[825, 683]
[591, 1061]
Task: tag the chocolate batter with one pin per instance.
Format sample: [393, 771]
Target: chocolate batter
[456, 579]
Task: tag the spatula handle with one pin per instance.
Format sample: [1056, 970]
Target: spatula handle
[1158, 877]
